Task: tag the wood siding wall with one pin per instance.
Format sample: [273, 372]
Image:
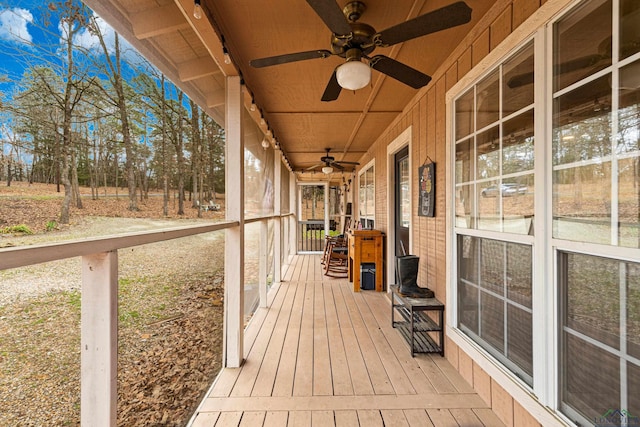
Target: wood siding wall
[426, 115]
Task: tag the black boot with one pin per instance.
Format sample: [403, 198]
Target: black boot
[407, 268]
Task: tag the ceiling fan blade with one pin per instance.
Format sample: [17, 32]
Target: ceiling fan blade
[343, 162]
[440, 19]
[399, 71]
[331, 14]
[332, 91]
[314, 166]
[289, 57]
[337, 166]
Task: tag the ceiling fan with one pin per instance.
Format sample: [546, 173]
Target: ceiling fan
[329, 163]
[353, 40]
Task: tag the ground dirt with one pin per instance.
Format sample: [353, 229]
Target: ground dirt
[170, 312]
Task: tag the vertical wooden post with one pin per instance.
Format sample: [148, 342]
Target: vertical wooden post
[99, 339]
[234, 237]
[263, 262]
[293, 219]
[277, 222]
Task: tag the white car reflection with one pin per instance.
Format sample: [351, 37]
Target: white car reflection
[507, 190]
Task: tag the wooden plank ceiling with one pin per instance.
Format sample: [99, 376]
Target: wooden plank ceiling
[287, 96]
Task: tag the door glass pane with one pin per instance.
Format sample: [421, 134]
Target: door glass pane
[633, 389]
[488, 100]
[582, 43]
[629, 28]
[517, 81]
[405, 201]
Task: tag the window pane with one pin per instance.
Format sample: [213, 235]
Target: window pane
[519, 338]
[633, 392]
[518, 204]
[489, 206]
[517, 144]
[468, 307]
[488, 100]
[582, 203]
[492, 320]
[629, 109]
[582, 123]
[519, 277]
[464, 161]
[517, 86]
[464, 206]
[629, 34]
[633, 311]
[405, 210]
[629, 202]
[488, 153]
[492, 266]
[582, 43]
[593, 298]
[464, 115]
[468, 255]
[591, 378]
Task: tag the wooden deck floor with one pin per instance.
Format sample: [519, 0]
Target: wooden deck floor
[322, 355]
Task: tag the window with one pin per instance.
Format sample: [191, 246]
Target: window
[366, 191]
[596, 199]
[494, 187]
[582, 275]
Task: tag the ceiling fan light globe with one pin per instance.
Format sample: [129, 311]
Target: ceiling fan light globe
[327, 170]
[353, 75]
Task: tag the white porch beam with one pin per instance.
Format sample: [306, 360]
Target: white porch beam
[197, 68]
[234, 237]
[99, 340]
[157, 21]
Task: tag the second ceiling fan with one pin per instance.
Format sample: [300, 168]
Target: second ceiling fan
[353, 41]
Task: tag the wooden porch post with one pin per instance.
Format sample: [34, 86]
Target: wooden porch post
[293, 219]
[277, 222]
[99, 339]
[234, 237]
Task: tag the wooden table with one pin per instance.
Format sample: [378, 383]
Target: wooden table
[366, 246]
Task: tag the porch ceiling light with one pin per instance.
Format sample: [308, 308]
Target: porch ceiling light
[197, 9]
[327, 170]
[353, 74]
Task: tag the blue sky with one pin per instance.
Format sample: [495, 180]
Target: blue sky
[31, 34]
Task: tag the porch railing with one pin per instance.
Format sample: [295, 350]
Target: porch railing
[99, 302]
[311, 235]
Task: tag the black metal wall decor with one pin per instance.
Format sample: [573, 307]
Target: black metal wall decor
[427, 189]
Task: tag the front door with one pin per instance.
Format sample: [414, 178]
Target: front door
[402, 202]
